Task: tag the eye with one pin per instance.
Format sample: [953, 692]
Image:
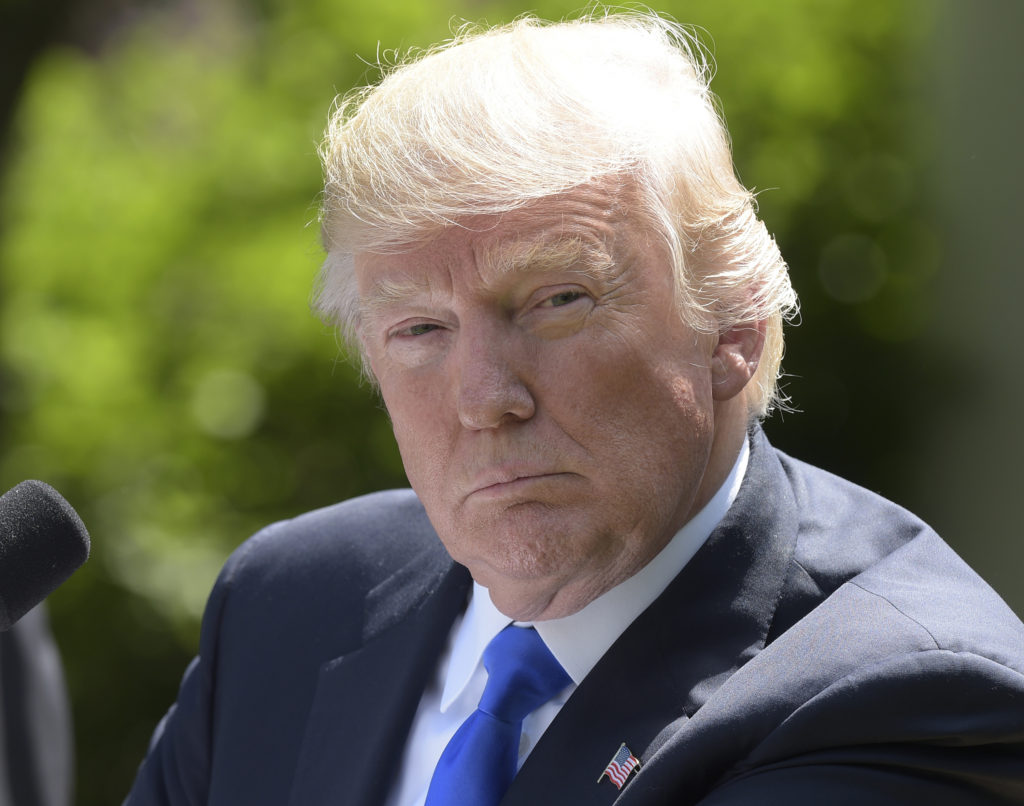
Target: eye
[413, 330]
[561, 298]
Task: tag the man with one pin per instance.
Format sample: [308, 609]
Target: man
[536, 240]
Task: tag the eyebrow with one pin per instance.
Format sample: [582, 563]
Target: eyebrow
[508, 257]
[563, 254]
[387, 292]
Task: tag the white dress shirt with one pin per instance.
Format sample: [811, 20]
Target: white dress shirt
[577, 642]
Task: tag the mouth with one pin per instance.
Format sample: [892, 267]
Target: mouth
[506, 484]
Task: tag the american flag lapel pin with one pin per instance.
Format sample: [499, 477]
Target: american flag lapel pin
[621, 765]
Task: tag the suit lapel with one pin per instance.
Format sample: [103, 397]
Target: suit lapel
[712, 619]
[365, 700]
[628, 697]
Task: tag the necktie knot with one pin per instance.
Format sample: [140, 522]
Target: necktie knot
[522, 674]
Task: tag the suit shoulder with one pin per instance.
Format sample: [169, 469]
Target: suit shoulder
[314, 573]
[842, 528]
[826, 501]
[353, 545]
[364, 529]
[882, 661]
[850, 535]
[927, 584]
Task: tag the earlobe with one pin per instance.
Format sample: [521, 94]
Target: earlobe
[735, 359]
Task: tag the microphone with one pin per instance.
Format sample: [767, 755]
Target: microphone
[42, 542]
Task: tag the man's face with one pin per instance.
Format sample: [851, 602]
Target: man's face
[554, 414]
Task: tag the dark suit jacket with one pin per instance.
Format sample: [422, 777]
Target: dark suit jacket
[823, 647]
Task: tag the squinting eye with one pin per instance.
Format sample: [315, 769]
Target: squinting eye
[563, 298]
[420, 329]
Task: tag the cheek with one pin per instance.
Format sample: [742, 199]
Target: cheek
[418, 427]
[648, 430]
[420, 446]
[627, 395]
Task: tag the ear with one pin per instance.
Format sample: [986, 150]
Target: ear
[735, 358]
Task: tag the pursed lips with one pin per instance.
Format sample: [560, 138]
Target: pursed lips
[504, 481]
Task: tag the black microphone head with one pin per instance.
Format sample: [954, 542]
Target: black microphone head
[42, 541]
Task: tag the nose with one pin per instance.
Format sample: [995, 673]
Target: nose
[491, 389]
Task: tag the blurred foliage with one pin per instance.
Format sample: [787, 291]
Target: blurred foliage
[158, 241]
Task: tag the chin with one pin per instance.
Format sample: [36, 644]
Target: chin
[541, 605]
[539, 596]
[528, 603]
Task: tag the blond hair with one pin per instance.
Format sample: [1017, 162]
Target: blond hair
[497, 118]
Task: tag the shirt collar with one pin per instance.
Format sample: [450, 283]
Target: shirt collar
[578, 641]
[481, 622]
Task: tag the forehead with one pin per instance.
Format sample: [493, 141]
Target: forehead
[586, 228]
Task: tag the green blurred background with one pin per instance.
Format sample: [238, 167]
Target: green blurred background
[158, 241]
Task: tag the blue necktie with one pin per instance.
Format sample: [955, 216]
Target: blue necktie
[479, 763]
